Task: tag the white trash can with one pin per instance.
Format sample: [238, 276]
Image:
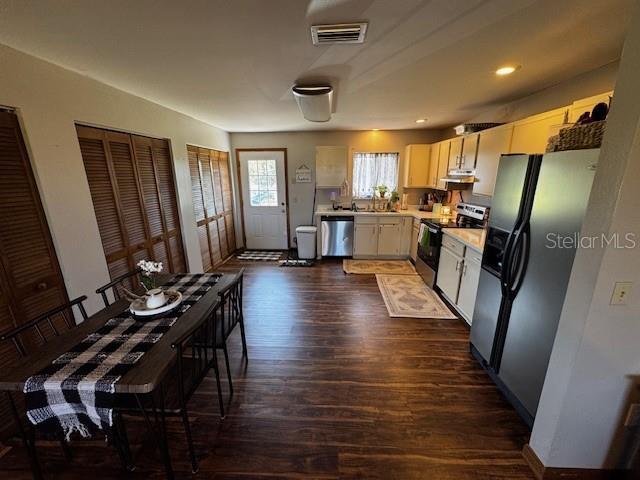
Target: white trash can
[306, 236]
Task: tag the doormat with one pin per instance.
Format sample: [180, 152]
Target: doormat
[259, 256]
[292, 262]
[390, 267]
[408, 296]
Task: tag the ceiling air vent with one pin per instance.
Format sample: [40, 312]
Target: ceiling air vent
[341, 33]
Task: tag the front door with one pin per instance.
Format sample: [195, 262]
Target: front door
[264, 199]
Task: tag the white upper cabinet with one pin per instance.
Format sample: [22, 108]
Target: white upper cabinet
[492, 144]
[469, 152]
[416, 165]
[531, 134]
[443, 164]
[455, 152]
[432, 176]
[331, 166]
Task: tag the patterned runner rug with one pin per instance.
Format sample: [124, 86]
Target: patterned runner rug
[259, 256]
[390, 267]
[408, 296]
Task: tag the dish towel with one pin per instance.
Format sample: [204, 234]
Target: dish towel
[76, 392]
[423, 235]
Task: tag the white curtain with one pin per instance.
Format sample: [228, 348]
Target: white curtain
[373, 169]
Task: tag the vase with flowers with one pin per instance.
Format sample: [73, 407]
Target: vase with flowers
[155, 295]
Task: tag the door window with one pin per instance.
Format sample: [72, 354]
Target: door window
[263, 183]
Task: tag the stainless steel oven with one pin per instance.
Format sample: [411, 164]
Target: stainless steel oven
[430, 238]
[429, 241]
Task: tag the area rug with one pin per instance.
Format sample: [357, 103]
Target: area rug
[259, 256]
[390, 267]
[408, 296]
[293, 262]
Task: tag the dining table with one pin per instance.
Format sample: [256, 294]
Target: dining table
[146, 376]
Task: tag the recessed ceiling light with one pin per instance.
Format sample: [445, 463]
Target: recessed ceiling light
[421, 120]
[507, 70]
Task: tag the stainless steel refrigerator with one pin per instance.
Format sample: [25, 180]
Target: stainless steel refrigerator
[539, 202]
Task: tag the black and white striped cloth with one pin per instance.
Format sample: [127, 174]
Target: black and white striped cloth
[76, 392]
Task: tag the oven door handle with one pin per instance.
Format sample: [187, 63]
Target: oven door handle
[433, 230]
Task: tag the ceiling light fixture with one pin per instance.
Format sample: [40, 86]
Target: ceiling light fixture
[315, 101]
[507, 70]
[421, 120]
[375, 129]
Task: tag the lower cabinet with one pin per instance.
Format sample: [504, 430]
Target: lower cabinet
[415, 231]
[469, 285]
[405, 236]
[449, 273]
[382, 236]
[366, 239]
[389, 239]
[459, 274]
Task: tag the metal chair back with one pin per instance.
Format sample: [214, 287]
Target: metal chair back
[44, 326]
[231, 297]
[129, 281]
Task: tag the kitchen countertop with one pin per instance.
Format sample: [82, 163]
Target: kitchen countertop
[472, 237]
[410, 212]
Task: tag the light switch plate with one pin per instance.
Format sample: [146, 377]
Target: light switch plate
[621, 291]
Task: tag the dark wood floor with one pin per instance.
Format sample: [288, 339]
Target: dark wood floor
[334, 389]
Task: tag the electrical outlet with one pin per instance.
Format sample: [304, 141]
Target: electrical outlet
[621, 291]
[633, 416]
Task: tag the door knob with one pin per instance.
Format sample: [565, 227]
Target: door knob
[41, 286]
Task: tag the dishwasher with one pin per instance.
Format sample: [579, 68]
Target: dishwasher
[337, 236]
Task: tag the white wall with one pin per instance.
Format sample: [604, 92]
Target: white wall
[594, 82]
[49, 101]
[597, 348]
[301, 149]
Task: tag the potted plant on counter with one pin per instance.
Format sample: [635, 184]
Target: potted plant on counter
[381, 190]
[393, 201]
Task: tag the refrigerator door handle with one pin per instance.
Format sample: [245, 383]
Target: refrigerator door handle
[506, 261]
[524, 247]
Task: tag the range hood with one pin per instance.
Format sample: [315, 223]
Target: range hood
[460, 176]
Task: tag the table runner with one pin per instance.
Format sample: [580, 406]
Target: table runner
[76, 392]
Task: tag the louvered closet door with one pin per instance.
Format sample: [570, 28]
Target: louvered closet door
[156, 180]
[208, 181]
[199, 208]
[131, 182]
[30, 278]
[227, 199]
[208, 193]
[222, 229]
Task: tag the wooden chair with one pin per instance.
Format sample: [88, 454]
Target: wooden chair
[28, 337]
[128, 281]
